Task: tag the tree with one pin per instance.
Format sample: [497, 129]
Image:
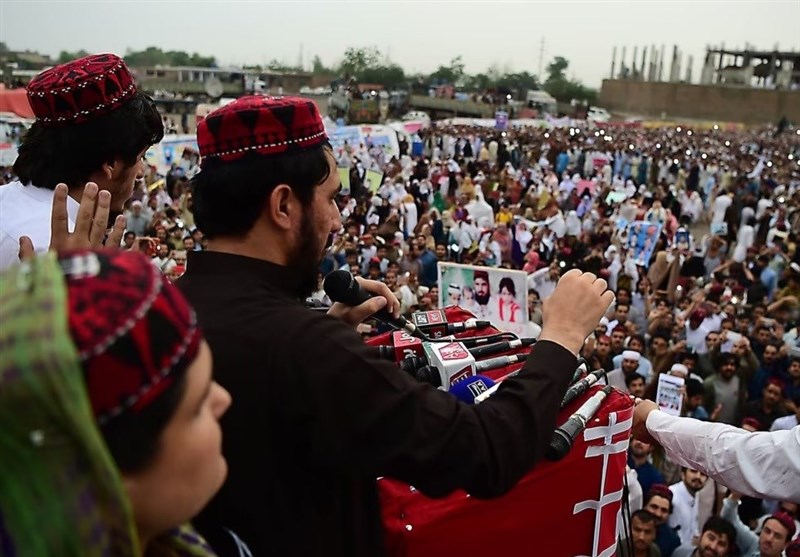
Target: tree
[452, 74]
[556, 69]
[358, 60]
[154, 56]
[390, 76]
[64, 56]
[563, 89]
[318, 67]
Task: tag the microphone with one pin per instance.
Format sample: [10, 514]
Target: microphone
[499, 361]
[466, 326]
[342, 287]
[412, 364]
[564, 436]
[582, 386]
[496, 348]
[471, 342]
[468, 390]
[448, 364]
[582, 368]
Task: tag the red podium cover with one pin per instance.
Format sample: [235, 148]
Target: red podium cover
[559, 509]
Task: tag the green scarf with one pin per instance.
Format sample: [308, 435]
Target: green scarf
[60, 490]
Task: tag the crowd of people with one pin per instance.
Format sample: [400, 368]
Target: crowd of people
[714, 300]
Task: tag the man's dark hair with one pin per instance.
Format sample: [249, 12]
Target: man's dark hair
[644, 516]
[694, 388]
[631, 377]
[70, 154]
[229, 197]
[720, 526]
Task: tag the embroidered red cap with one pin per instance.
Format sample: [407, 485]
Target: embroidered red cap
[786, 521]
[263, 125]
[133, 330]
[661, 490]
[80, 90]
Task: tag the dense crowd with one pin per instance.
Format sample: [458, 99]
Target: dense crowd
[716, 300]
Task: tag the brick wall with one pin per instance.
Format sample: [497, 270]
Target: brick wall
[703, 102]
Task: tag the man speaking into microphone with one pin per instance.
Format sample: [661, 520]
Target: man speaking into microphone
[318, 415]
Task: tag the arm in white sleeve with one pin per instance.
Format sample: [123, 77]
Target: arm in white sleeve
[759, 464]
[535, 277]
[746, 539]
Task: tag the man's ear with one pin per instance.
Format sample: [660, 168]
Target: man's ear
[108, 168]
[282, 207]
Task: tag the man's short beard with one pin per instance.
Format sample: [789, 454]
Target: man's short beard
[482, 299]
[306, 257]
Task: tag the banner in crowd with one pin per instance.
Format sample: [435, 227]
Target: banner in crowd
[384, 136]
[642, 238]
[373, 180]
[501, 120]
[494, 294]
[170, 150]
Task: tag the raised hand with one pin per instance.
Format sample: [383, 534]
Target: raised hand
[574, 309]
[91, 223]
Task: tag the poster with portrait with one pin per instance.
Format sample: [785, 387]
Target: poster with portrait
[641, 241]
[497, 295]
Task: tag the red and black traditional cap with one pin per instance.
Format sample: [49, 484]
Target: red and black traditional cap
[133, 330]
[264, 125]
[661, 490]
[77, 91]
[787, 521]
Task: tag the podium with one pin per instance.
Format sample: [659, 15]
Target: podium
[567, 508]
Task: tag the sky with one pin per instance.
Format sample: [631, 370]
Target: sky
[418, 35]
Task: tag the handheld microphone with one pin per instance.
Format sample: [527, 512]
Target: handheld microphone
[472, 342]
[564, 436]
[499, 361]
[496, 348]
[466, 326]
[582, 368]
[582, 386]
[468, 390]
[342, 287]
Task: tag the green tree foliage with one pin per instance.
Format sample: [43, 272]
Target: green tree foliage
[318, 67]
[367, 65]
[452, 74]
[564, 89]
[154, 56]
[65, 56]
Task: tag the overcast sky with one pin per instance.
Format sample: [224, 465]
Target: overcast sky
[417, 35]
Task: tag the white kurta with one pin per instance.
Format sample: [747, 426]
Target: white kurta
[759, 464]
[25, 211]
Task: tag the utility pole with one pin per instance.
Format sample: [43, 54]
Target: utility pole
[541, 62]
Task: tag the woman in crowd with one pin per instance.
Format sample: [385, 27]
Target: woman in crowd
[110, 440]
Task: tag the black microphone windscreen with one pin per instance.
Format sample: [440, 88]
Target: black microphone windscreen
[560, 445]
[340, 286]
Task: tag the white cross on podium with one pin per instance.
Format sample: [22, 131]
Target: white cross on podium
[606, 433]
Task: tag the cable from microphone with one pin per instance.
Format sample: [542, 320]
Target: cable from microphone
[564, 436]
[342, 287]
[582, 386]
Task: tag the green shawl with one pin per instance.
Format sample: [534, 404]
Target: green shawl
[60, 490]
